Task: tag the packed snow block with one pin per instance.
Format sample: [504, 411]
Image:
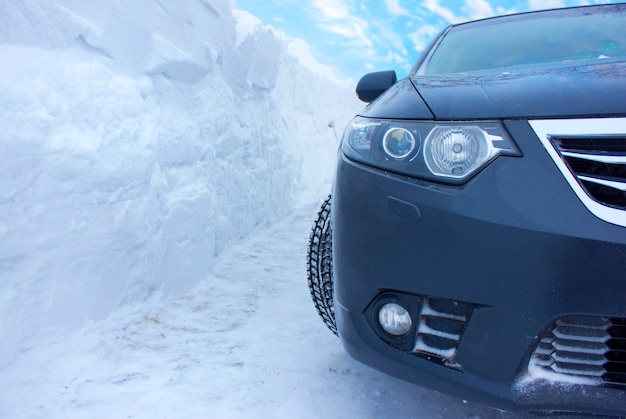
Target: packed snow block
[262, 51]
[35, 22]
[178, 38]
[181, 70]
[253, 66]
[139, 141]
[187, 37]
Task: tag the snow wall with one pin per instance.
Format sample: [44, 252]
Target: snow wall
[138, 140]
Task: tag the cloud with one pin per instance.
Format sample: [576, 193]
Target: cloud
[394, 8]
[478, 9]
[470, 10]
[434, 7]
[356, 31]
[337, 18]
[393, 39]
[545, 4]
[333, 9]
[422, 37]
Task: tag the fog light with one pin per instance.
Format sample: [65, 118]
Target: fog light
[394, 319]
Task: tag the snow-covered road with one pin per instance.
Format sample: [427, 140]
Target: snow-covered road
[245, 343]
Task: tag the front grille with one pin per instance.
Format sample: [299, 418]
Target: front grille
[599, 164]
[591, 349]
[591, 155]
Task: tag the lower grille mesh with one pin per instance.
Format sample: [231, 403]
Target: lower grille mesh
[591, 348]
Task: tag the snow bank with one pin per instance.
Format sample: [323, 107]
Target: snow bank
[139, 140]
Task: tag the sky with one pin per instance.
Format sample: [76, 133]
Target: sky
[355, 37]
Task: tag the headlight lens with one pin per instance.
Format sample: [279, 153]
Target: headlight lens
[398, 143]
[451, 152]
[454, 151]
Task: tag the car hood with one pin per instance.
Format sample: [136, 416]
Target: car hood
[589, 90]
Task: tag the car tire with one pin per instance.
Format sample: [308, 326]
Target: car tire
[320, 266]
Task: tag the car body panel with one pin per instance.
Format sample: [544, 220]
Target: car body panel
[545, 93]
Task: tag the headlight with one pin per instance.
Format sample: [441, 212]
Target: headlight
[448, 152]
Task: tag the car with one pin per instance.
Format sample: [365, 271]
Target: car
[474, 241]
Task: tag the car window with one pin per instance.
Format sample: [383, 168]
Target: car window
[530, 39]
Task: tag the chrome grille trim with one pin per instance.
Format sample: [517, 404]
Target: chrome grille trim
[610, 183]
[586, 128]
[596, 157]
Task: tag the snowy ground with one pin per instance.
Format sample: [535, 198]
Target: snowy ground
[245, 343]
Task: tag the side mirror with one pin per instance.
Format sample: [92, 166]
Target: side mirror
[373, 85]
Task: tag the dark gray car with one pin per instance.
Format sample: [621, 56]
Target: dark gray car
[475, 241]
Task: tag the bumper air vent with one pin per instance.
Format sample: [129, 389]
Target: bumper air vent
[440, 326]
[591, 154]
[591, 350]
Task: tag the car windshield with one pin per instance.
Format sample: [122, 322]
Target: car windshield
[556, 37]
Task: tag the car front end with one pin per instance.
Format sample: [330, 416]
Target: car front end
[479, 230]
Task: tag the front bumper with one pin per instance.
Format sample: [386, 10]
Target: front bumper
[514, 244]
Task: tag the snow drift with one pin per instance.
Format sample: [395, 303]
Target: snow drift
[139, 140]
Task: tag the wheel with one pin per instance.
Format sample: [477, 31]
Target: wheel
[320, 266]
